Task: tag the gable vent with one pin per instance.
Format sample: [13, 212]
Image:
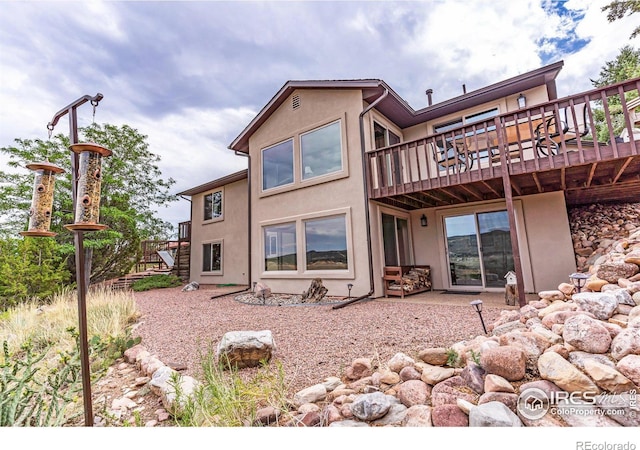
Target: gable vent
[295, 102]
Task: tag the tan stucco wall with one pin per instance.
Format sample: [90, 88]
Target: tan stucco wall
[232, 230]
[334, 194]
[549, 236]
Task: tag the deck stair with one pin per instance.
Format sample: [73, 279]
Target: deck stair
[126, 281]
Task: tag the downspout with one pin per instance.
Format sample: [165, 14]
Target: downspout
[246, 155]
[366, 201]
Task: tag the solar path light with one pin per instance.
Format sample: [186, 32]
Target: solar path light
[477, 305]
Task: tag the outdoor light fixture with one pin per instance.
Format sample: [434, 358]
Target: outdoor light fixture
[477, 304]
[423, 220]
[522, 101]
[350, 286]
[578, 280]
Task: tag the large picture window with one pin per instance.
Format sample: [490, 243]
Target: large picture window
[280, 247]
[213, 205]
[321, 151]
[277, 165]
[212, 257]
[326, 243]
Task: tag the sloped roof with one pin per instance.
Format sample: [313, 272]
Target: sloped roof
[227, 179]
[397, 109]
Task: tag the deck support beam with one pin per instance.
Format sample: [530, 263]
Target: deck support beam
[515, 247]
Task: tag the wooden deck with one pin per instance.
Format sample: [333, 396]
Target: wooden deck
[538, 153]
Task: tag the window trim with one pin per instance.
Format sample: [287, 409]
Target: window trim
[301, 272]
[204, 203]
[213, 242]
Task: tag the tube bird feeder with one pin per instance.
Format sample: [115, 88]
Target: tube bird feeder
[42, 199]
[87, 213]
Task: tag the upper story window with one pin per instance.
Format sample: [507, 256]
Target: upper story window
[213, 205]
[277, 165]
[384, 137]
[321, 151]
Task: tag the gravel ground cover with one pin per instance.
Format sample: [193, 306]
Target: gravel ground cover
[312, 341]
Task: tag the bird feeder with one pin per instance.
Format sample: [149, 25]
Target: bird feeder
[42, 199]
[87, 213]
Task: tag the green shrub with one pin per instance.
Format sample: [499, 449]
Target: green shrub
[156, 282]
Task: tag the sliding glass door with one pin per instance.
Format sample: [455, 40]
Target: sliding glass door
[478, 249]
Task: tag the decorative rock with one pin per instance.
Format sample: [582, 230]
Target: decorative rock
[508, 327]
[348, 423]
[449, 391]
[409, 373]
[331, 414]
[623, 297]
[551, 295]
[579, 414]
[586, 334]
[435, 356]
[449, 415]
[612, 271]
[262, 290]
[629, 366]
[176, 395]
[389, 377]
[394, 417]
[556, 306]
[496, 383]
[315, 393]
[560, 317]
[331, 383]
[493, 414]
[242, 349]
[510, 400]
[595, 284]
[161, 378]
[400, 361]
[473, 375]
[601, 305]
[607, 377]
[435, 374]
[359, 368]
[623, 408]
[565, 375]
[193, 286]
[627, 342]
[567, 289]
[267, 416]
[532, 344]
[368, 407]
[413, 392]
[578, 359]
[507, 361]
[131, 354]
[417, 416]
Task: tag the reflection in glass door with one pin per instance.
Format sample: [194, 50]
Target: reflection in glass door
[462, 246]
[479, 249]
[396, 241]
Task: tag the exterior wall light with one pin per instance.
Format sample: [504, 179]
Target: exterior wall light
[522, 101]
[423, 220]
[477, 305]
[578, 280]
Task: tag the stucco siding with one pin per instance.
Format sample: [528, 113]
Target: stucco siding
[231, 231]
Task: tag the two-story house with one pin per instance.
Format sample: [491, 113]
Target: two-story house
[344, 178]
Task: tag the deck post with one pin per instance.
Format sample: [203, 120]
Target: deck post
[508, 196]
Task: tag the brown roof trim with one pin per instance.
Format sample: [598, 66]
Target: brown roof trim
[398, 110]
[228, 179]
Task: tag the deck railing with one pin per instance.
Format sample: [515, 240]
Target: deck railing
[550, 135]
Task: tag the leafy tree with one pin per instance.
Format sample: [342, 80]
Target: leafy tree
[30, 268]
[131, 187]
[619, 8]
[624, 67]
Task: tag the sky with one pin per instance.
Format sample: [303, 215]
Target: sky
[191, 75]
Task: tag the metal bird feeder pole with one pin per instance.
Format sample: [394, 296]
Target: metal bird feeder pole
[83, 265]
